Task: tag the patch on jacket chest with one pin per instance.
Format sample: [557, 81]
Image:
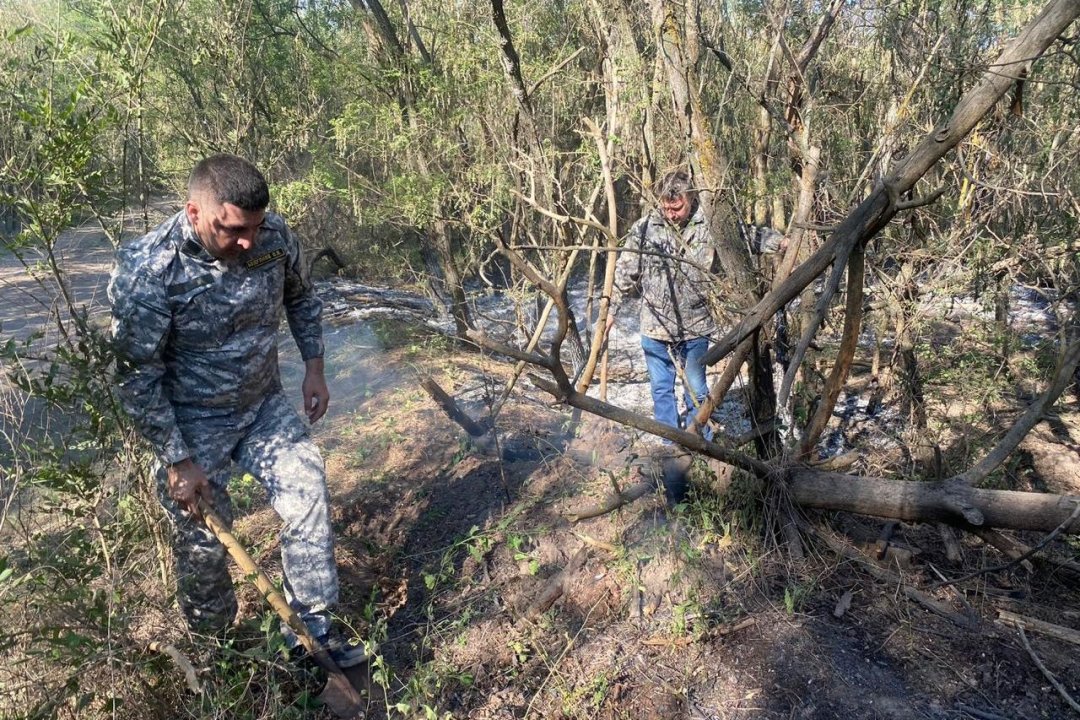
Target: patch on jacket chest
[264, 259]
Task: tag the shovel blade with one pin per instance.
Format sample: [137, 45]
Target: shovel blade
[341, 697]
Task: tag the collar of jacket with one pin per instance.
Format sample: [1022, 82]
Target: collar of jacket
[190, 245]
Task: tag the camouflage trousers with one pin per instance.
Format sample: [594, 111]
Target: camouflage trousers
[270, 442]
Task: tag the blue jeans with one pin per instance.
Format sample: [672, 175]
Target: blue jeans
[660, 358]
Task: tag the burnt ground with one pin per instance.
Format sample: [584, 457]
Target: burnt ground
[691, 612]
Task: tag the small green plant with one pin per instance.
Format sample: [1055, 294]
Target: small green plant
[246, 491]
[519, 546]
[520, 650]
[795, 595]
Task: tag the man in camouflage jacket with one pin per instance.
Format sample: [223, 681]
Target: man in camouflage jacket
[669, 257]
[196, 306]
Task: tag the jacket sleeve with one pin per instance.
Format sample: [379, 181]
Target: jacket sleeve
[765, 240]
[141, 322]
[628, 265]
[303, 308]
[703, 253]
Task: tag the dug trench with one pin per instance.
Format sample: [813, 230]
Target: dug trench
[461, 560]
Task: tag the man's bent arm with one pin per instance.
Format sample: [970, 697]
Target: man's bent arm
[141, 323]
[303, 308]
[627, 269]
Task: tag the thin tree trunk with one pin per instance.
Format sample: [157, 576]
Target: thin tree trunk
[849, 342]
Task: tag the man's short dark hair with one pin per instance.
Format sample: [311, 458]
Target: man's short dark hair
[230, 179]
[674, 185]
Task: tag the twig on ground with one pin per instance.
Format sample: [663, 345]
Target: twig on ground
[181, 662]
[612, 502]
[934, 606]
[556, 585]
[981, 714]
[569, 645]
[708, 634]
[1006, 617]
[1031, 551]
[959, 595]
[1046, 672]
[600, 544]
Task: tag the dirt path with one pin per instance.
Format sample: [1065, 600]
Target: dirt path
[29, 293]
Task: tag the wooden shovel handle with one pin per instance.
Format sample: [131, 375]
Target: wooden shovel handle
[265, 586]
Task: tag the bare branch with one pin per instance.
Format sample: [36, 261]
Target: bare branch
[559, 66]
[876, 210]
[1046, 672]
[849, 342]
[1063, 377]
[483, 340]
[632, 419]
[919, 202]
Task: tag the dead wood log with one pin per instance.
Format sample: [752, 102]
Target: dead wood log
[178, 658]
[933, 605]
[947, 501]
[1050, 556]
[1059, 632]
[554, 587]
[952, 545]
[884, 538]
[931, 501]
[613, 501]
[1029, 552]
[450, 407]
[1006, 545]
[1019, 549]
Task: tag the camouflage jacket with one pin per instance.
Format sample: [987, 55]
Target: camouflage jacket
[675, 271]
[672, 274]
[196, 337]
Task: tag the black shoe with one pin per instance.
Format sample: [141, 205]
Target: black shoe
[344, 653]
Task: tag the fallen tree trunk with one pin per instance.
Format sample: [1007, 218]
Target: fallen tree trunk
[451, 408]
[951, 501]
[875, 212]
[931, 501]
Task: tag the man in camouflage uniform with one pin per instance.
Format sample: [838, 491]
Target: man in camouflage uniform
[671, 260]
[196, 306]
